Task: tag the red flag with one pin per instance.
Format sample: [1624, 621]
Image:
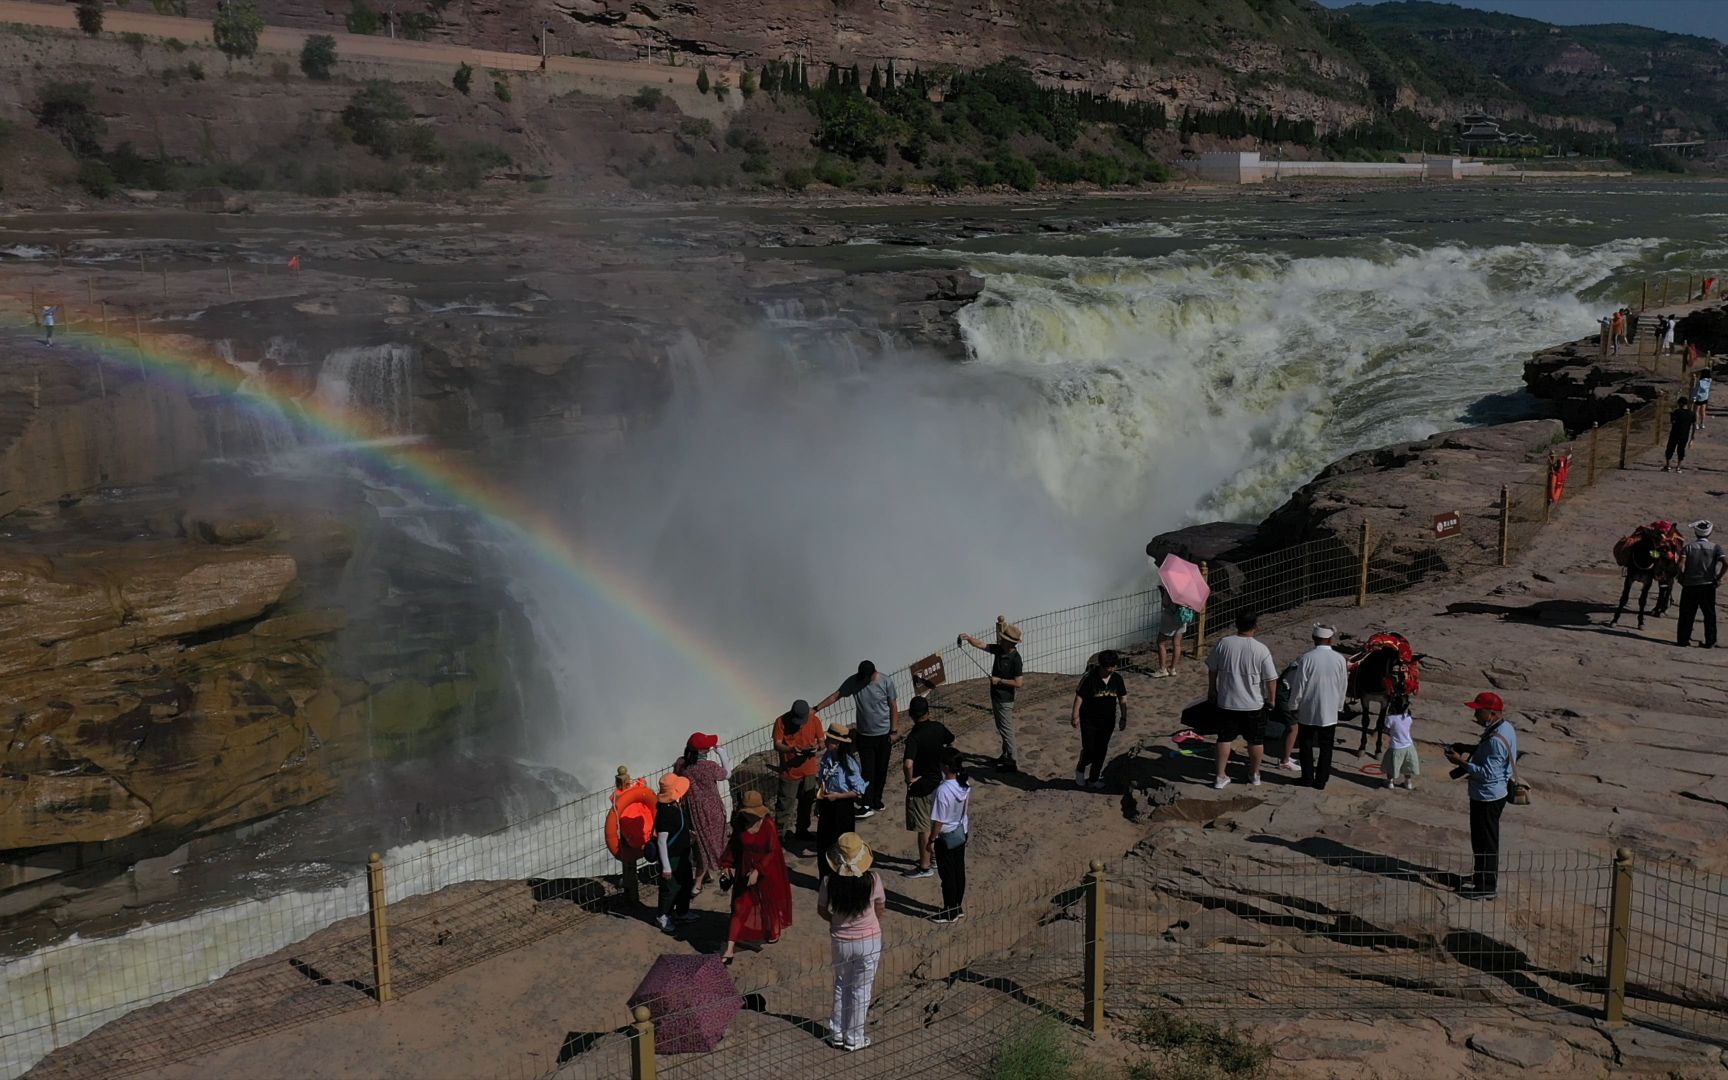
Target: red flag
[294, 263]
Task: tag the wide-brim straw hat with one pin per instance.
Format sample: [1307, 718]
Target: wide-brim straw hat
[839, 733]
[1006, 630]
[850, 856]
[753, 805]
[673, 787]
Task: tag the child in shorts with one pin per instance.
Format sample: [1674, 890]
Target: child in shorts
[1401, 761]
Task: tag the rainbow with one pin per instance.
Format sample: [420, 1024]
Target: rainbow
[203, 371]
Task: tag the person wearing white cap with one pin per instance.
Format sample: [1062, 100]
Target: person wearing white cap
[1318, 688]
[1702, 566]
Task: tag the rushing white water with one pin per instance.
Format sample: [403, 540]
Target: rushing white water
[1220, 380]
[374, 381]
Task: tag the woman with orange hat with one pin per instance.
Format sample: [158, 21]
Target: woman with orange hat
[704, 764]
[672, 848]
[756, 867]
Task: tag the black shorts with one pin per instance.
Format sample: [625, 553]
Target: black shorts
[1234, 724]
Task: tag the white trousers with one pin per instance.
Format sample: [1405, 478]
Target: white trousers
[855, 964]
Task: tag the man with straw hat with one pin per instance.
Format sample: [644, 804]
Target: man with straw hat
[851, 901]
[672, 848]
[1007, 675]
[839, 788]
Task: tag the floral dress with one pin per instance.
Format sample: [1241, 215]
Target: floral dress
[707, 813]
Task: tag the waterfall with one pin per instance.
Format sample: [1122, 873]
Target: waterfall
[373, 381]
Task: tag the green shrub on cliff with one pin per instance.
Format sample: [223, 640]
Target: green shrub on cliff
[90, 16]
[501, 90]
[702, 83]
[64, 110]
[362, 19]
[95, 177]
[318, 57]
[463, 79]
[236, 28]
[648, 98]
[374, 117]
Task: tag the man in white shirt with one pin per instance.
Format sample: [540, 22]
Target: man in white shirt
[1318, 688]
[1241, 683]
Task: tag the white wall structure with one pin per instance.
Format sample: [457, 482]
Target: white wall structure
[1247, 167]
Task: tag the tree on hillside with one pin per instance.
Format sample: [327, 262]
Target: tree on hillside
[318, 57]
[90, 16]
[236, 28]
[747, 83]
[832, 82]
[362, 19]
[702, 83]
[374, 117]
[875, 90]
[65, 111]
[464, 78]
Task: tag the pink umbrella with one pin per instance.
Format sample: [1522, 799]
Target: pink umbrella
[1182, 580]
[693, 1000]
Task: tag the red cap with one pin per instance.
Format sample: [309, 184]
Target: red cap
[1488, 701]
[700, 741]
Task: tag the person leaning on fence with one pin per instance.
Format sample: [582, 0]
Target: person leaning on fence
[873, 727]
[1007, 675]
[950, 828]
[924, 748]
[704, 764]
[753, 870]
[798, 741]
[672, 848]
[1317, 693]
[1100, 709]
[851, 901]
[1680, 423]
[1703, 565]
[1488, 766]
[1242, 683]
[839, 789]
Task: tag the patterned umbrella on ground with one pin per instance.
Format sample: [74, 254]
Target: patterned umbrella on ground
[693, 1000]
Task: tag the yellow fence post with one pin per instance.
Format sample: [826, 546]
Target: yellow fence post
[642, 1065]
[1619, 937]
[90, 290]
[1625, 435]
[1362, 578]
[1505, 525]
[378, 904]
[230, 271]
[1548, 490]
[1200, 616]
[1688, 288]
[1095, 931]
[1661, 411]
[1644, 302]
[1590, 473]
[1664, 290]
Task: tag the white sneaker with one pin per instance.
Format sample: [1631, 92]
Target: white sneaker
[1221, 783]
[1289, 765]
[1161, 674]
[1409, 785]
[665, 924]
[1254, 780]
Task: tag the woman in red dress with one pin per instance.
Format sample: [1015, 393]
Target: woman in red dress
[761, 891]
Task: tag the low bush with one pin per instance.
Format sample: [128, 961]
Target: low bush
[318, 57]
[647, 99]
[95, 177]
[1037, 1052]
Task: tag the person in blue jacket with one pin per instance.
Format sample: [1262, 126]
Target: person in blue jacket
[840, 787]
[1489, 767]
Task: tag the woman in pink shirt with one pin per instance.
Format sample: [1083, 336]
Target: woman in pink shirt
[851, 901]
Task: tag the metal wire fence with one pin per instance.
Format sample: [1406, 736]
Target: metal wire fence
[1230, 938]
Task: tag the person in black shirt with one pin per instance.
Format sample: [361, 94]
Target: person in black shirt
[925, 744]
[1100, 709]
[672, 850]
[1680, 423]
[1006, 676]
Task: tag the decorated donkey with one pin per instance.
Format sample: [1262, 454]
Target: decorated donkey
[1382, 669]
[1650, 554]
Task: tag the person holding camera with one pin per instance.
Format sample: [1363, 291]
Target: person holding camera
[799, 743]
[1489, 767]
